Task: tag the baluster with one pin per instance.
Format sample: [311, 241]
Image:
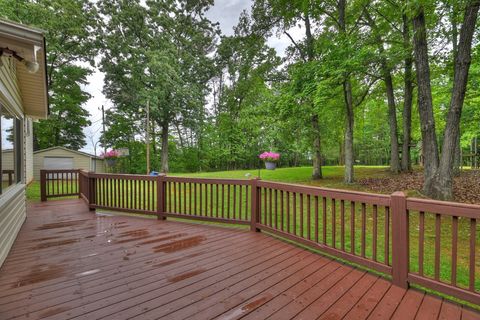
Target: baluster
[342, 225]
[352, 227]
[421, 241]
[288, 211]
[211, 200]
[364, 228]
[375, 232]
[282, 207]
[294, 195]
[473, 230]
[301, 216]
[308, 217]
[334, 222]
[454, 249]
[387, 236]
[276, 208]
[234, 201]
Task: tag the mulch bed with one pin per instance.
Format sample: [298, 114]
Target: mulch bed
[466, 187]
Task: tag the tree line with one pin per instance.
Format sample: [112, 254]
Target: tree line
[370, 82]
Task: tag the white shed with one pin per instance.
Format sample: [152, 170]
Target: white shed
[63, 158]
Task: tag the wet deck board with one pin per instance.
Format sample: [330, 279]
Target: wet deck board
[70, 263]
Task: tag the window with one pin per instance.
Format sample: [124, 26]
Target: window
[11, 149]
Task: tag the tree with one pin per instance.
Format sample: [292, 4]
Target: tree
[69, 26]
[439, 166]
[157, 52]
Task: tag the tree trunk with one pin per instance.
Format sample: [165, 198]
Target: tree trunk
[453, 20]
[317, 147]
[164, 147]
[457, 160]
[347, 94]
[349, 154]
[442, 189]
[392, 109]
[407, 98]
[317, 157]
[425, 105]
[392, 120]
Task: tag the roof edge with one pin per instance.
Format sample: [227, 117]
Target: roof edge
[22, 32]
[70, 150]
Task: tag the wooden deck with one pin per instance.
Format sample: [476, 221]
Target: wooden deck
[69, 263]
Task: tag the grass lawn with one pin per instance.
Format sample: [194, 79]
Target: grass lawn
[333, 178]
[332, 175]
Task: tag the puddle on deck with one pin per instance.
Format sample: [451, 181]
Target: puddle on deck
[162, 239]
[53, 311]
[40, 273]
[180, 244]
[62, 224]
[134, 233]
[240, 311]
[54, 244]
[169, 262]
[185, 275]
[44, 239]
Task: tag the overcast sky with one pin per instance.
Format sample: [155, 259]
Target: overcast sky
[226, 12]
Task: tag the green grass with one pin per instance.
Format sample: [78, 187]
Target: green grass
[332, 175]
[333, 178]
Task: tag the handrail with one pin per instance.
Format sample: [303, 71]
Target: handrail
[372, 230]
[59, 183]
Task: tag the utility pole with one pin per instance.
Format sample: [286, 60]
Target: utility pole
[103, 131]
[147, 137]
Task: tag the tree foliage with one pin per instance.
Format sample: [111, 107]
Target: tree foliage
[71, 49]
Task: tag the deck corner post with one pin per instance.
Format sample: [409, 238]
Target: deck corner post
[79, 183]
[400, 255]
[161, 197]
[254, 210]
[92, 190]
[43, 185]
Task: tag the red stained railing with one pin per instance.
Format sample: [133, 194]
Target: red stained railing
[429, 243]
[452, 228]
[59, 183]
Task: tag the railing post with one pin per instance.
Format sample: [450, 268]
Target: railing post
[92, 190]
[255, 213]
[43, 185]
[400, 255]
[79, 183]
[161, 197]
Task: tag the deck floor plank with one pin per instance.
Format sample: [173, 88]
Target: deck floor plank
[68, 262]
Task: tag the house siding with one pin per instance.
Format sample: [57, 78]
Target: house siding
[9, 89]
[12, 201]
[12, 216]
[28, 141]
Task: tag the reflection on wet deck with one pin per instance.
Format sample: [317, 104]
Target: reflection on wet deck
[69, 263]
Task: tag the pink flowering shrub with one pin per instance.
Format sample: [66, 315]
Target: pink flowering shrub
[270, 156]
[112, 154]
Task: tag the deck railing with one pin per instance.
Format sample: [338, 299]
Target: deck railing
[59, 183]
[429, 243]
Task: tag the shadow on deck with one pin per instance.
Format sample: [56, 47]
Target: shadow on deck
[68, 262]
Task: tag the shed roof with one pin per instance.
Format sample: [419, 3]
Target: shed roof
[69, 150]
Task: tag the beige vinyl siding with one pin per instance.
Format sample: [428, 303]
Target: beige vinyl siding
[28, 141]
[12, 216]
[100, 166]
[9, 89]
[22, 94]
[80, 161]
[12, 201]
